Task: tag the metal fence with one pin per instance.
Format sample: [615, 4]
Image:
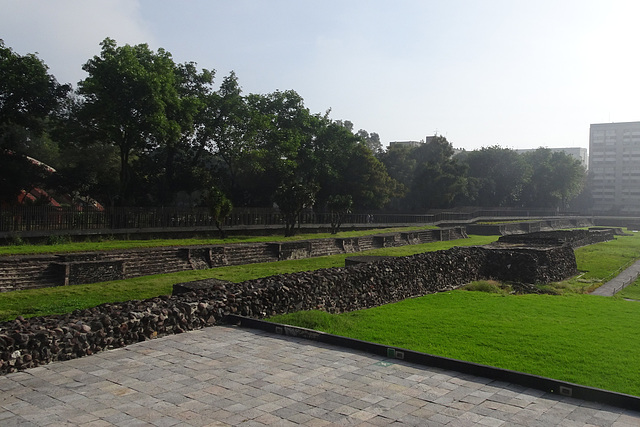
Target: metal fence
[48, 218]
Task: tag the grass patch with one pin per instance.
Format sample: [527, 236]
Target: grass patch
[490, 286]
[318, 320]
[578, 338]
[600, 263]
[63, 244]
[64, 299]
[631, 292]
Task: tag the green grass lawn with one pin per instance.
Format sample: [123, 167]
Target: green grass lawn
[64, 299]
[107, 245]
[583, 339]
[631, 292]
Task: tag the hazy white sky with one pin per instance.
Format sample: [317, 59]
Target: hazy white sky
[518, 73]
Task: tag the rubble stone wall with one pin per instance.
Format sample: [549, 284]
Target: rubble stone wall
[26, 343]
[526, 226]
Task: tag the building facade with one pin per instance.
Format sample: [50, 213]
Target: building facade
[614, 166]
[413, 144]
[410, 144]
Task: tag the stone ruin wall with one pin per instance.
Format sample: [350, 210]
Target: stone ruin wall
[39, 271]
[574, 238]
[26, 343]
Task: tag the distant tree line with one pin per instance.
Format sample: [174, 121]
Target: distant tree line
[143, 130]
[435, 178]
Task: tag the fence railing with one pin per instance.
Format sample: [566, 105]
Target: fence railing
[48, 218]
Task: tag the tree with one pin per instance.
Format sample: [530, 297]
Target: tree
[437, 185]
[220, 208]
[29, 95]
[186, 104]
[343, 165]
[371, 140]
[569, 176]
[130, 101]
[498, 176]
[283, 127]
[339, 206]
[556, 178]
[400, 162]
[292, 198]
[326, 158]
[228, 132]
[368, 182]
[89, 169]
[438, 180]
[30, 99]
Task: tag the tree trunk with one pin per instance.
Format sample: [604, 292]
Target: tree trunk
[125, 175]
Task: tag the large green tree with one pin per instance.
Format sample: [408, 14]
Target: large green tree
[344, 167]
[556, 178]
[327, 156]
[371, 140]
[400, 162]
[131, 100]
[30, 102]
[29, 95]
[282, 127]
[439, 180]
[293, 197]
[366, 180]
[497, 176]
[187, 102]
[228, 132]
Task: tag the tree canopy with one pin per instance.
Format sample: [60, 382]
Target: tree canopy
[143, 130]
[30, 101]
[555, 179]
[496, 176]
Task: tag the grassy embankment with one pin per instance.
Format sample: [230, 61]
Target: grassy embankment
[579, 338]
[61, 244]
[64, 299]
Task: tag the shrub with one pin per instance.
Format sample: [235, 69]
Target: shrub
[16, 240]
[55, 239]
[489, 286]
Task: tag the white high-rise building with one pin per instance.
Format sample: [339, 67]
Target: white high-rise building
[614, 165]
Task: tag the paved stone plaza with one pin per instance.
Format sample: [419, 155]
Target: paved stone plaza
[231, 376]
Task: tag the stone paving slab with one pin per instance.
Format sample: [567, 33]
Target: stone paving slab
[231, 376]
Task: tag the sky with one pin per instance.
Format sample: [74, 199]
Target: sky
[514, 73]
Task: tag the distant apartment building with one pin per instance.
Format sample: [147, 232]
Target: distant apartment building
[577, 153]
[405, 143]
[413, 144]
[614, 165]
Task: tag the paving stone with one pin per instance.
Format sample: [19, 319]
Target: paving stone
[231, 376]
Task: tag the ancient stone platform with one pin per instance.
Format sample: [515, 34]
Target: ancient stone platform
[232, 376]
